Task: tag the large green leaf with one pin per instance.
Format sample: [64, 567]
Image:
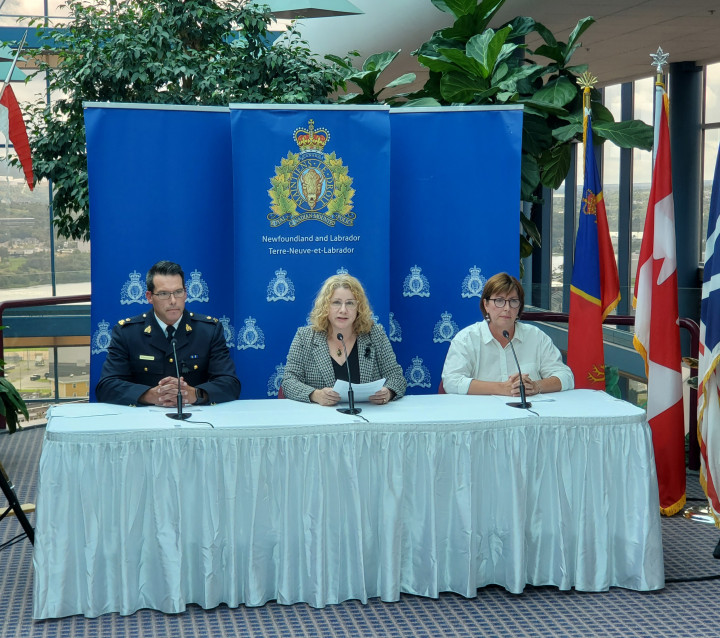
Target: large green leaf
[407, 78]
[573, 41]
[530, 229]
[464, 62]
[423, 101]
[459, 88]
[630, 134]
[521, 26]
[567, 133]
[554, 166]
[456, 7]
[486, 47]
[555, 94]
[529, 176]
[378, 62]
[537, 135]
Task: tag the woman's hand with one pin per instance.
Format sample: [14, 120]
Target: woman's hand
[325, 396]
[383, 395]
[531, 387]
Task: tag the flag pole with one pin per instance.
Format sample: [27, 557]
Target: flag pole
[586, 81]
[659, 60]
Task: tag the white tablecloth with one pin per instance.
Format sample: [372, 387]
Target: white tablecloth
[294, 502]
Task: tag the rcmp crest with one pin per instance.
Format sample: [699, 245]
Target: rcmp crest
[228, 331]
[275, 380]
[417, 375]
[473, 284]
[251, 336]
[101, 338]
[445, 329]
[311, 184]
[280, 287]
[197, 289]
[133, 290]
[416, 284]
[395, 329]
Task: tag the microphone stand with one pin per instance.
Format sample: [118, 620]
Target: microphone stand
[522, 403]
[179, 416]
[351, 394]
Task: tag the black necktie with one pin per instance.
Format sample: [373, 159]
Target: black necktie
[170, 330]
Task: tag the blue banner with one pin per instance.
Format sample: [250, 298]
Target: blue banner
[455, 202]
[160, 181]
[312, 191]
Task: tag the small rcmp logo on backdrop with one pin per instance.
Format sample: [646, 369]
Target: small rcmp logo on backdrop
[416, 284]
[445, 329]
[197, 289]
[273, 386]
[395, 329]
[251, 336]
[133, 290]
[311, 184]
[473, 284]
[101, 338]
[417, 375]
[228, 331]
[281, 288]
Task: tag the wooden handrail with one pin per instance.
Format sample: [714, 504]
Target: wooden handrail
[30, 303]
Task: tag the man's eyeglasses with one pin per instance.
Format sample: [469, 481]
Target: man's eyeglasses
[349, 304]
[500, 302]
[165, 295]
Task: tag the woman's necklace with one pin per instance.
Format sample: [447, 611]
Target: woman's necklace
[339, 351]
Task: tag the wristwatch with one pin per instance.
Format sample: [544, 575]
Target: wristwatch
[202, 396]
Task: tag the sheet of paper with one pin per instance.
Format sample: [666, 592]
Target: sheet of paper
[362, 391]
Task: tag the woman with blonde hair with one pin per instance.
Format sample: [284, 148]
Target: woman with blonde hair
[341, 321]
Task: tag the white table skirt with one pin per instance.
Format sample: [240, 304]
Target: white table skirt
[293, 502]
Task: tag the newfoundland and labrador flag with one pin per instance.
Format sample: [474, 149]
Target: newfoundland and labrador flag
[709, 384]
[595, 286]
[657, 332]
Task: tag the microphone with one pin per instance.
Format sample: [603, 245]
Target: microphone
[351, 395]
[522, 403]
[178, 416]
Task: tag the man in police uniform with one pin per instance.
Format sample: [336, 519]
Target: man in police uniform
[140, 365]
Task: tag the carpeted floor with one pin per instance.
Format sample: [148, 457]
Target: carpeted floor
[686, 607]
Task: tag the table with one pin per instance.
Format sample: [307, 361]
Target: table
[296, 502]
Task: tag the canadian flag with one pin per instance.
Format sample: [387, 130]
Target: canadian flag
[13, 127]
[657, 331]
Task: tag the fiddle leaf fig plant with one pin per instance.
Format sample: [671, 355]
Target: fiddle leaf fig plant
[11, 403]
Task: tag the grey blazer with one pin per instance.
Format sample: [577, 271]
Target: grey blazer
[309, 365]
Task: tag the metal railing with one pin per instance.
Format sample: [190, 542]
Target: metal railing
[629, 320]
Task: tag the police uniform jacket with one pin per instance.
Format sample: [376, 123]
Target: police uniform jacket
[140, 355]
[309, 365]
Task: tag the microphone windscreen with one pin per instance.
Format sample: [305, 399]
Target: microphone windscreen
[339, 336]
[506, 334]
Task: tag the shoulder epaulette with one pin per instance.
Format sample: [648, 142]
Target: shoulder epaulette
[205, 318]
[131, 320]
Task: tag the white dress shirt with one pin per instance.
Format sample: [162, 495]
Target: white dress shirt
[475, 354]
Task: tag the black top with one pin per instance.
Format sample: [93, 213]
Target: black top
[341, 370]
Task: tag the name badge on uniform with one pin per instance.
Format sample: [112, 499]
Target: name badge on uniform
[147, 357]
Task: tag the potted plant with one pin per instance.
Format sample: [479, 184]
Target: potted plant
[11, 403]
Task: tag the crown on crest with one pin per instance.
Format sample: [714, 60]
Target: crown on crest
[417, 362]
[103, 325]
[135, 276]
[446, 316]
[280, 274]
[311, 139]
[415, 270]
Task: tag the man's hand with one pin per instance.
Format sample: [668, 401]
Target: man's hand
[164, 393]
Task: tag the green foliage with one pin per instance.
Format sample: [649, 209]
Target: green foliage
[470, 63]
[209, 52]
[11, 403]
[612, 381]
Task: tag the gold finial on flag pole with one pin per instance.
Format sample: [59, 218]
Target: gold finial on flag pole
[586, 81]
[659, 60]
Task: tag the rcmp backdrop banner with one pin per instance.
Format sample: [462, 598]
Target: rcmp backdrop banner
[160, 181]
[312, 192]
[455, 201]
[261, 203]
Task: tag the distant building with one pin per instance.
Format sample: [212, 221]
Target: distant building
[74, 386]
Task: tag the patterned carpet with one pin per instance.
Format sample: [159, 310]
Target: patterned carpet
[686, 607]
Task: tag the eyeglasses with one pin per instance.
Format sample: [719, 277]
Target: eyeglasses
[165, 295]
[349, 304]
[500, 302]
